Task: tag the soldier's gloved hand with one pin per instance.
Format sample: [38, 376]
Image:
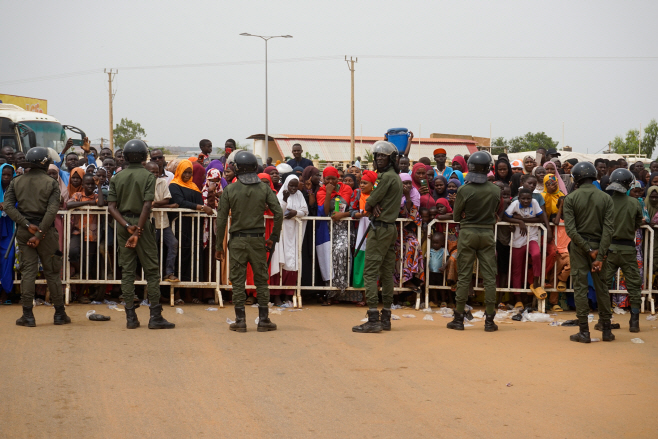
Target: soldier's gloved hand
[269, 245]
[33, 242]
[33, 229]
[593, 254]
[596, 266]
[219, 255]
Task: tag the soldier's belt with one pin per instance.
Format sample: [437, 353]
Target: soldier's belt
[378, 223]
[626, 242]
[247, 235]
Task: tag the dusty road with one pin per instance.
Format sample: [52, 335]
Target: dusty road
[315, 378]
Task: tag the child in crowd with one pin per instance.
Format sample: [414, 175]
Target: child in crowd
[84, 234]
[444, 213]
[437, 266]
[563, 267]
[453, 185]
[525, 209]
[162, 225]
[503, 238]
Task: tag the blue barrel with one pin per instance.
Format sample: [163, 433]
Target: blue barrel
[398, 137]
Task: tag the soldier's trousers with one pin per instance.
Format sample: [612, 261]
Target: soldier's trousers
[627, 261]
[380, 263]
[476, 243]
[243, 251]
[581, 266]
[147, 254]
[51, 261]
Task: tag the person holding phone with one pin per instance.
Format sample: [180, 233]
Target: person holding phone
[70, 160]
[419, 181]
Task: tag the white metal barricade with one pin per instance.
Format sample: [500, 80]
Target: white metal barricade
[508, 288]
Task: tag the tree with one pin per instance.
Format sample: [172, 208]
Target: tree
[530, 142]
[498, 146]
[243, 146]
[629, 144]
[127, 130]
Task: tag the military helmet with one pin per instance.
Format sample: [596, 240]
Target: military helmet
[386, 148]
[479, 165]
[246, 167]
[621, 180]
[135, 151]
[38, 157]
[583, 170]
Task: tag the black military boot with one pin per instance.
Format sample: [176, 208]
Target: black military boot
[457, 321]
[27, 319]
[583, 335]
[372, 325]
[599, 325]
[157, 321]
[634, 322]
[60, 317]
[386, 319]
[489, 325]
[264, 322]
[240, 324]
[607, 331]
[132, 322]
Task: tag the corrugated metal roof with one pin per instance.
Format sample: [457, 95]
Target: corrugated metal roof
[337, 148]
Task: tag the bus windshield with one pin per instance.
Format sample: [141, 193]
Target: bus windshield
[49, 135]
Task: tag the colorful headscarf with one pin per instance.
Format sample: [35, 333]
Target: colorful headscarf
[551, 198]
[462, 162]
[436, 195]
[455, 182]
[178, 176]
[414, 194]
[444, 202]
[211, 174]
[216, 164]
[269, 171]
[13, 174]
[369, 176]
[425, 200]
[72, 190]
[268, 177]
[652, 208]
[460, 176]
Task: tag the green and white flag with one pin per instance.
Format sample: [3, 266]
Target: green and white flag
[360, 253]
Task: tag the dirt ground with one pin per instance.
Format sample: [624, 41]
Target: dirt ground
[315, 378]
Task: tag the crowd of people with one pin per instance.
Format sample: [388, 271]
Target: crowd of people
[532, 192]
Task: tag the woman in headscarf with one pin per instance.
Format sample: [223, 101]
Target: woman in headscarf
[327, 196]
[413, 264]
[216, 164]
[284, 170]
[453, 187]
[198, 172]
[430, 177]
[539, 172]
[6, 237]
[75, 181]
[298, 170]
[528, 164]
[551, 193]
[274, 174]
[459, 164]
[653, 181]
[285, 259]
[440, 187]
[53, 172]
[309, 186]
[503, 170]
[419, 182]
[187, 195]
[551, 168]
[457, 175]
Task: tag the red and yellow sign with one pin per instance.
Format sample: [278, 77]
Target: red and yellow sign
[30, 104]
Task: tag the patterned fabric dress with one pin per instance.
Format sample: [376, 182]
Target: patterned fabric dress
[413, 263]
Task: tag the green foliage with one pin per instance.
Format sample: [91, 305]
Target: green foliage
[127, 130]
[164, 149]
[527, 142]
[310, 157]
[630, 143]
[369, 155]
[240, 145]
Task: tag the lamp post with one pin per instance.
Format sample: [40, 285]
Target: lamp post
[267, 134]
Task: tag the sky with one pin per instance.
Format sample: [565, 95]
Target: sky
[423, 83]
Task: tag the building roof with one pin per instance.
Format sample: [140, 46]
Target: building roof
[337, 148]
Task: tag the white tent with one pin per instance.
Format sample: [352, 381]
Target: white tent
[582, 157]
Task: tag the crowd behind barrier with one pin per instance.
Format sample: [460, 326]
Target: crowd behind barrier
[100, 261]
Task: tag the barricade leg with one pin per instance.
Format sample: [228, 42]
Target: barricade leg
[171, 295]
[67, 294]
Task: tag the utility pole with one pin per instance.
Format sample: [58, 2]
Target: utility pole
[102, 142]
[350, 65]
[110, 74]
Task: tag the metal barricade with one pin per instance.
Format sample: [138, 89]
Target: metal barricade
[508, 288]
[350, 266]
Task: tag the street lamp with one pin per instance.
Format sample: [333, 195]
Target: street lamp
[267, 134]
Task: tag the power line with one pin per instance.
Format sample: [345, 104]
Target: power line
[335, 57]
